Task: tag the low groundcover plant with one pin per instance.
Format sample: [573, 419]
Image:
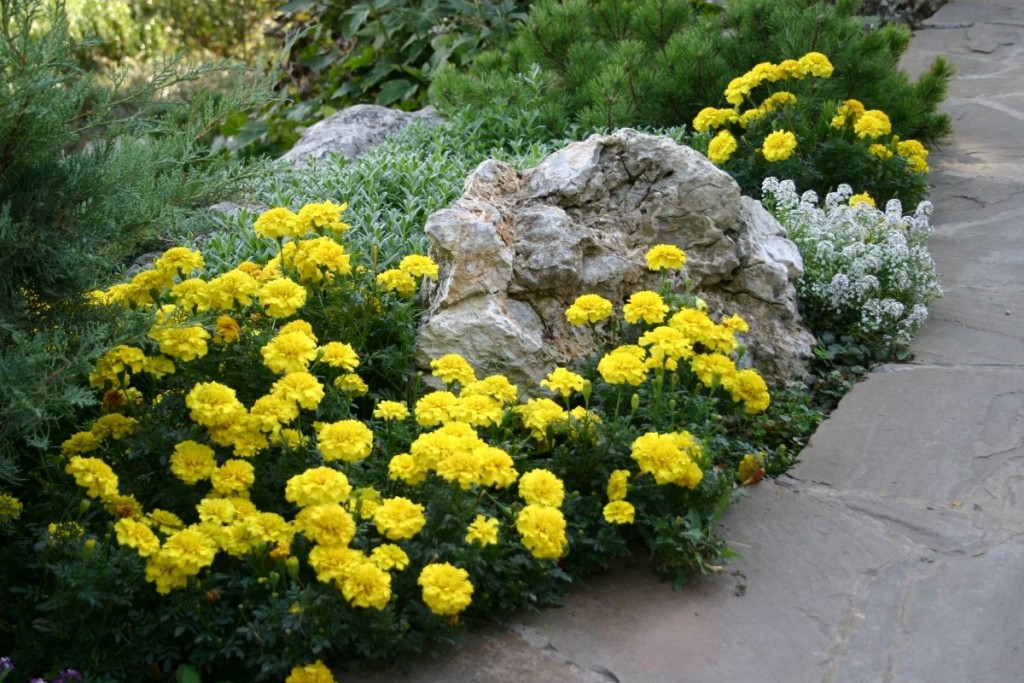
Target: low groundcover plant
[269, 478]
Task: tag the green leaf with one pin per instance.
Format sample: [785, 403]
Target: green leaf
[296, 6]
[187, 674]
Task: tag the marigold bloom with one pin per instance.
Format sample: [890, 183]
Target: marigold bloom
[317, 486]
[218, 510]
[192, 462]
[333, 561]
[748, 386]
[435, 408]
[319, 216]
[665, 257]
[712, 368]
[419, 266]
[619, 512]
[366, 585]
[10, 508]
[778, 146]
[339, 355]
[862, 198]
[709, 118]
[94, 475]
[588, 308]
[542, 529]
[212, 404]
[271, 412]
[619, 367]
[80, 442]
[405, 468]
[750, 468]
[618, 485]
[351, 384]
[224, 291]
[668, 457]
[816, 64]
[301, 388]
[190, 549]
[563, 381]
[317, 260]
[316, 672]
[872, 124]
[497, 387]
[446, 588]
[186, 343]
[497, 468]
[348, 440]
[721, 147]
[326, 524]
[538, 413]
[233, 477]
[541, 487]
[289, 352]
[389, 556]
[451, 368]
[399, 518]
[881, 151]
[391, 410]
[915, 153]
[645, 305]
[132, 533]
[282, 297]
[167, 522]
[279, 222]
[397, 281]
[463, 467]
[849, 111]
[482, 530]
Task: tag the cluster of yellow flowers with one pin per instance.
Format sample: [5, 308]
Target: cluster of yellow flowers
[779, 145]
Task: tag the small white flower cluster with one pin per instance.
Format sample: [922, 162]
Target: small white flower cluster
[867, 272]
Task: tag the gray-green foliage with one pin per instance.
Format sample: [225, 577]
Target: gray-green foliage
[612, 63]
[85, 188]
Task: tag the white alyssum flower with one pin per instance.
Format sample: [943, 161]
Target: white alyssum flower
[867, 272]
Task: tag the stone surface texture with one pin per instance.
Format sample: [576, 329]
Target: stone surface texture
[352, 131]
[517, 248]
[894, 551]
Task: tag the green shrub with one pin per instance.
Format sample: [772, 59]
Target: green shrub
[657, 63]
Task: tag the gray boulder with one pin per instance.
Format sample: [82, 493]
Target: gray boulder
[353, 131]
[517, 248]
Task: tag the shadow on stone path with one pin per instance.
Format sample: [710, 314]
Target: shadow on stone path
[894, 552]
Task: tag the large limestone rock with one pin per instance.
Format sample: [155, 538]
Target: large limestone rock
[517, 248]
[352, 132]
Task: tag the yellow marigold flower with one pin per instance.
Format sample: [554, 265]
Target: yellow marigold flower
[430, 448]
[645, 305]
[316, 672]
[298, 325]
[319, 216]
[751, 468]
[64, 531]
[497, 387]
[179, 260]
[477, 410]
[144, 285]
[748, 386]
[781, 98]
[665, 257]
[332, 561]
[881, 151]
[279, 222]
[446, 588]
[542, 529]
[81, 442]
[482, 530]
[271, 412]
[301, 388]
[399, 518]
[915, 153]
[735, 323]
[317, 486]
[389, 556]
[588, 308]
[872, 124]
[666, 456]
[537, 413]
[791, 69]
[218, 510]
[224, 291]
[289, 352]
[849, 111]
[10, 508]
[619, 367]
[190, 549]
[212, 404]
[816, 64]
[721, 147]
[619, 512]
[319, 259]
[339, 355]
[348, 440]
[123, 506]
[618, 485]
[563, 381]
[405, 468]
[186, 343]
[94, 475]
[451, 368]
[419, 266]
[282, 297]
[712, 368]
[667, 343]
[366, 585]
[497, 469]
[778, 146]
[352, 384]
[397, 281]
[158, 366]
[190, 294]
[192, 462]
[391, 410]
[463, 467]
[862, 198]
[163, 571]
[167, 522]
[541, 487]
[738, 89]
[115, 365]
[435, 408]
[137, 535]
[326, 524]
[226, 330]
[233, 477]
[710, 118]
